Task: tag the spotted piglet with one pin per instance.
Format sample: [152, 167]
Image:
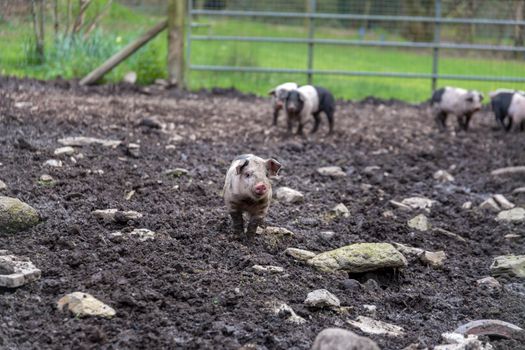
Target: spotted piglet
[279, 94]
[459, 102]
[509, 106]
[307, 101]
[247, 189]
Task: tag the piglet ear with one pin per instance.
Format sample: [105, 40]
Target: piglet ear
[241, 166]
[470, 97]
[301, 97]
[271, 92]
[273, 166]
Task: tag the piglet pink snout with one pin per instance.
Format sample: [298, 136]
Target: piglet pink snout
[260, 189]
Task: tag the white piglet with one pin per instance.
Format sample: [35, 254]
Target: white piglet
[247, 189]
[459, 102]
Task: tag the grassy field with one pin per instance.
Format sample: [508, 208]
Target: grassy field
[74, 58]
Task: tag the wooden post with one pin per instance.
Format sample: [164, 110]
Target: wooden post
[176, 15]
[123, 54]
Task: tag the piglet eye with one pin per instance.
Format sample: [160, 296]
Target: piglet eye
[247, 175]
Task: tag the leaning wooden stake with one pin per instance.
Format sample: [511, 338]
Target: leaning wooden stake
[123, 54]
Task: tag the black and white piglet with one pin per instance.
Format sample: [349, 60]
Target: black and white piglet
[508, 107]
[459, 102]
[279, 94]
[309, 100]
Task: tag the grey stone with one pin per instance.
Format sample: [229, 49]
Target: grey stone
[300, 254]
[519, 190]
[512, 215]
[340, 210]
[443, 176]
[16, 215]
[275, 231]
[510, 265]
[55, 163]
[342, 339]
[489, 327]
[114, 215]
[418, 203]
[456, 341]
[503, 202]
[284, 311]
[351, 284]
[46, 178]
[3, 186]
[333, 171]
[79, 141]
[327, 234]
[489, 283]
[83, 304]
[490, 204]
[16, 271]
[434, 259]
[321, 298]
[371, 326]
[407, 250]
[359, 257]
[268, 268]
[142, 234]
[288, 195]
[467, 205]
[419, 222]
[371, 310]
[66, 150]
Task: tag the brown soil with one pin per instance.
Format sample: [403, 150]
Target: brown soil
[193, 287]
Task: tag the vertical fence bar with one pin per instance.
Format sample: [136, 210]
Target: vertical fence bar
[189, 20]
[176, 16]
[437, 39]
[312, 4]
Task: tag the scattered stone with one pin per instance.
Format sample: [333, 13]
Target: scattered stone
[16, 215]
[129, 195]
[327, 234]
[133, 150]
[130, 78]
[490, 204]
[434, 259]
[83, 304]
[503, 202]
[489, 282]
[443, 176]
[115, 215]
[333, 171]
[450, 234]
[284, 311]
[288, 195]
[79, 141]
[340, 210]
[275, 231]
[418, 203]
[300, 254]
[16, 271]
[151, 122]
[351, 284]
[510, 265]
[359, 257]
[142, 234]
[406, 250]
[371, 326]
[371, 169]
[3, 186]
[508, 170]
[519, 190]
[515, 288]
[456, 341]
[512, 236]
[512, 215]
[67, 150]
[46, 178]
[177, 172]
[268, 268]
[389, 214]
[55, 163]
[419, 223]
[342, 339]
[467, 205]
[400, 205]
[371, 310]
[496, 328]
[321, 298]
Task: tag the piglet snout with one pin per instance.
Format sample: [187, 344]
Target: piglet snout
[260, 189]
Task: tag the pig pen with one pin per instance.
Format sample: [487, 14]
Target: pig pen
[193, 286]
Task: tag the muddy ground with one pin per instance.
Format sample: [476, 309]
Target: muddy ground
[194, 287]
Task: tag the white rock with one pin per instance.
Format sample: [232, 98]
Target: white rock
[268, 268]
[300, 254]
[512, 215]
[456, 341]
[46, 178]
[130, 77]
[80, 141]
[16, 271]
[275, 231]
[434, 259]
[110, 215]
[371, 326]
[284, 311]
[443, 176]
[370, 309]
[342, 339]
[67, 150]
[340, 210]
[519, 190]
[511, 265]
[288, 195]
[419, 222]
[142, 234]
[83, 304]
[53, 163]
[3, 186]
[489, 282]
[503, 202]
[490, 204]
[322, 298]
[467, 205]
[333, 171]
[327, 234]
[418, 202]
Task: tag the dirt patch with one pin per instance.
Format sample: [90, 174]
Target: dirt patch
[193, 287]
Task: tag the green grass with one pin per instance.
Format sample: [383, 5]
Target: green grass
[75, 58]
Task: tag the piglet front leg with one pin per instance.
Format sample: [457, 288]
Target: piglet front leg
[237, 222]
[252, 226]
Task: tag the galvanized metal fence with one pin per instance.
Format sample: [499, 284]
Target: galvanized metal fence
[312, 15]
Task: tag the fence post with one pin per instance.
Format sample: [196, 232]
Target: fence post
[311, 5]
[189, 20]
[437, 39]
[176, 14]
